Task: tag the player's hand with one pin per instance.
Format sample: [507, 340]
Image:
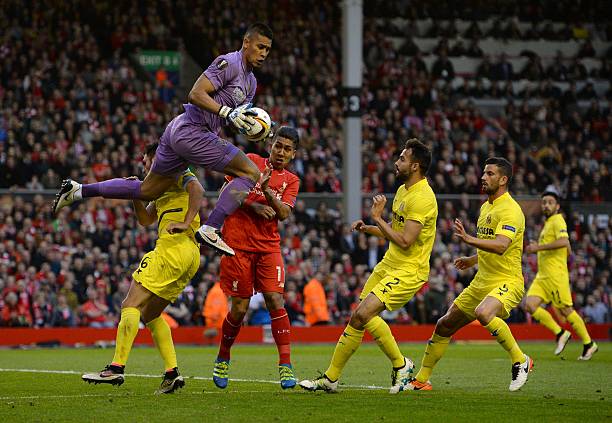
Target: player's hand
[460, 230]
[463, 263]
[263, 210]
[177, 227]
[532, 247]
[378, 206]
[358, 226]
[265, 178]
[240, 117]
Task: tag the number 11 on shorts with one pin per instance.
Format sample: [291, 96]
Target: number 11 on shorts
[279, 276]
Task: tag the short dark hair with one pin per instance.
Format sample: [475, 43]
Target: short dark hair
[420, 154]
[503, 164]
[261, 29]
[552, 194]
[151, 149]
[289, 133]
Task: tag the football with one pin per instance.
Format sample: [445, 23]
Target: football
[262, 126]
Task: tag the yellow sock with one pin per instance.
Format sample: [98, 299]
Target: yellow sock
[546, 319]
[500, 330]
[347, 344]
[579, 327]
[381, 332]
[126, 332]
[163, 341]
[433, 353]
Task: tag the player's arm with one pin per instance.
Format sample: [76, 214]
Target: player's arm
[281, 208]
[146, 214]
[196, 194]
[200, 95]
[463, 263]
[563, 242]
[403, 239]
[498, 245]
[217, 74]
[360, 226]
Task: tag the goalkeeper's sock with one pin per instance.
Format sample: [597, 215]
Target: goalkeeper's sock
[163, 341]
[381, 332]
[229, 332]
[229, 200]
[546, 320]
[126, 332]
[579, 327]
[500, 330]
[434, 351]
[119, 188]
[281, 331]
[347, 344]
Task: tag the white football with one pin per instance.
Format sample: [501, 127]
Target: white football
[262, 126]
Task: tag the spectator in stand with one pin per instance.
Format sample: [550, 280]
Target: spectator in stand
[315, 302]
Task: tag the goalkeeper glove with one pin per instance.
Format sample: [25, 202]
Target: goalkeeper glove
[240, 117]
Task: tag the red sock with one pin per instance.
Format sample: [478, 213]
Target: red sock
[229, 332]
[281, 331]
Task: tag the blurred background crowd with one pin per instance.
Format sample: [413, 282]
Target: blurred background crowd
[74, 103]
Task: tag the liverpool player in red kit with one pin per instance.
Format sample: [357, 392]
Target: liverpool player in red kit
[252, 231]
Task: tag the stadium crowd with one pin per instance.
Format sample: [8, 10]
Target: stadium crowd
[73, 104]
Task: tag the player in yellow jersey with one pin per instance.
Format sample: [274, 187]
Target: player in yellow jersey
[161, 276]
[551, 284]
[497, 287]
[401, 273]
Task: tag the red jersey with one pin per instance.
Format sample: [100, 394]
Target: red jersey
[244, 229]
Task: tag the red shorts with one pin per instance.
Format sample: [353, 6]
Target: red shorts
[247, 272]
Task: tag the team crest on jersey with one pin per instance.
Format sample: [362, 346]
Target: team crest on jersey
[238, 95]
[235, 286]
[488, 219]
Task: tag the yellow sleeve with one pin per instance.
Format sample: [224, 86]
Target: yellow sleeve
[560, 229]
[185, 178]
[420, 209]
[509, 223]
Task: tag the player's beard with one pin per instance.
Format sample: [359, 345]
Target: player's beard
[402, 177]
[490, 189]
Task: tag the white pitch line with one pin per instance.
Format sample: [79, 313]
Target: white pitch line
[74, 372]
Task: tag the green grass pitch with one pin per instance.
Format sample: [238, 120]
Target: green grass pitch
[470, 384]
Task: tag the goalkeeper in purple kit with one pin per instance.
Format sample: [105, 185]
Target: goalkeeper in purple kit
[222, 94]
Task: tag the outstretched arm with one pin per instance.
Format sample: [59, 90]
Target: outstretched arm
[403, 239]
[499, 245]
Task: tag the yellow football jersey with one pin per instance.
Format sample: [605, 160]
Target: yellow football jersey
[503, 217]
[416, 203]
[172, 206]
[553, 263]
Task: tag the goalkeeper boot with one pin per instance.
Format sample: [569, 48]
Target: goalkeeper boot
[66, 195]
[562, 340]
[287, 378]
[400, 377]
[221, 373]
[172, 381]
[211, 237]
[112, 374]
[322, 383]
[588, 350]
[520, 371]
